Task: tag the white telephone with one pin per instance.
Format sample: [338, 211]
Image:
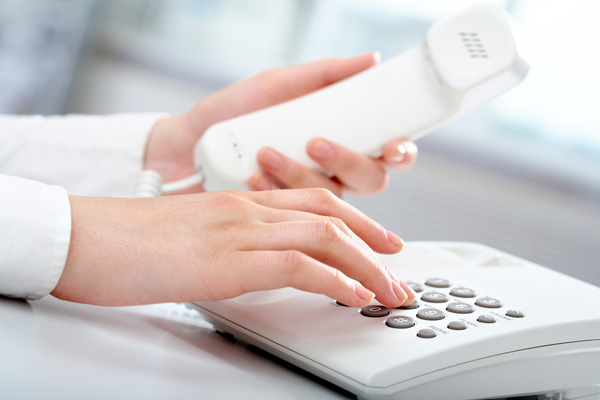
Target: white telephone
[486, 325]
[464, 61]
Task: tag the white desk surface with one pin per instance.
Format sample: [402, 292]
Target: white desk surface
[51, 349]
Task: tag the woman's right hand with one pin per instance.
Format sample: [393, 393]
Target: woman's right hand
[218, 245]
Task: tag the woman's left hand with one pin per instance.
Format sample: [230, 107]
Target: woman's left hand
[171, 143]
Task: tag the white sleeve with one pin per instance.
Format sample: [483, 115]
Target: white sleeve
[34, 236]
[78, 155]
[86, 155]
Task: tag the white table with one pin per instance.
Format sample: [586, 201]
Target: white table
[51, 349]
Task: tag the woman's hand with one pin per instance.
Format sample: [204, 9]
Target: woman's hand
[218, 245]
[171, 144]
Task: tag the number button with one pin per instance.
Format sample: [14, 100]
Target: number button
[415, 286]
[434, 297]
[437, 282]
[375, 311]
[462, 292]
[486, 319]
[430, 314]
[488, 302]
[460, 308]
[515, 314]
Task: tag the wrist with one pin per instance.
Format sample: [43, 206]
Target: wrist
[169, 149]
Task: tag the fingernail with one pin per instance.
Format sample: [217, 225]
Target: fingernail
[399, 154]
[394, 239]
[320, 149]
[271, 159]
[363, 293]
[377, 56]
[399, 292]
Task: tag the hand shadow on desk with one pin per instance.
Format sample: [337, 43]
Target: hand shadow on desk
[15, 302]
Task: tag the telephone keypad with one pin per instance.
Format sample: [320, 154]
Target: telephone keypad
[462, 305]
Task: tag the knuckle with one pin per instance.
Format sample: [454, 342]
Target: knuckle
[341, 225]
[322, 196]
[326, 231]
[293, 262]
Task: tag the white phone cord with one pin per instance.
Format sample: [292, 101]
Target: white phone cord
[150, 184]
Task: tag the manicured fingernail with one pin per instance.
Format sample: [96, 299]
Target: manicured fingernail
[394, 239]
[399, 292]
[259, 182]
[271, 159]
[399, 154]
[320, 149]
[363, 293]
[377, 56]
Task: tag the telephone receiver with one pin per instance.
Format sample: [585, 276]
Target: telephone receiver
[464, 61]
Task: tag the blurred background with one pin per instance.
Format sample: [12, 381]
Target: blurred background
[521, 174]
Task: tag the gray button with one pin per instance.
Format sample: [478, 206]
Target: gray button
[426, 333]
[460, 308]
[515, 313]
[488, 302]
[375, 311]
[340, 304]
[457, 325]
[430, 314]
[486, 319]
[434, 297]
[400, 322]
[437, 282]
[415, 287]
[415, 304]
[462, 292]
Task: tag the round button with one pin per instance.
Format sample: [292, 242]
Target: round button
[430, 314]
[434, 297]
[486, 319]
[415, 286]
[438, 282]
[415, 304]
[426, 333]
[400, 322]
[515, 313]
[462, 292]
[460, 308]
[488, 302]
[457, 325]
[375, 311]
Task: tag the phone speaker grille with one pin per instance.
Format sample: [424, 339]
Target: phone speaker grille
[473, 44]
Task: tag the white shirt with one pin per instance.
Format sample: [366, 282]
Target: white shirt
[41, 160]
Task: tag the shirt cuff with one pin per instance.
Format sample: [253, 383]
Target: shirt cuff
[34, 237]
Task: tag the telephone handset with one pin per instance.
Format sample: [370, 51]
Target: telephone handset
[464, 61]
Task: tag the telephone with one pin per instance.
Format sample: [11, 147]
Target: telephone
[486, 324]
[465, 61]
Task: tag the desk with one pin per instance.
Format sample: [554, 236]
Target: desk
[51, 349]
